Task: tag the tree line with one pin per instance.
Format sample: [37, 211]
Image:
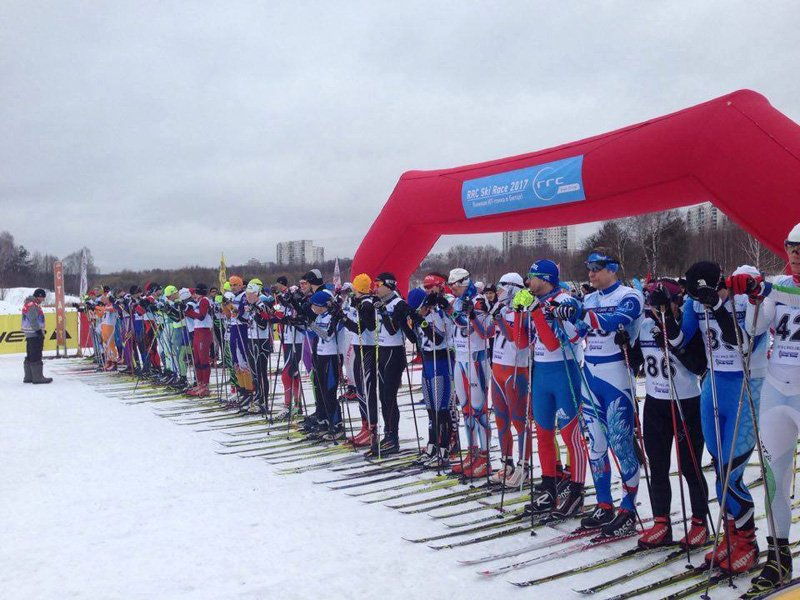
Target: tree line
[658, 244]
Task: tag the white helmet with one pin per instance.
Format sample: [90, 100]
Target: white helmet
[508, 285]
[458, 276]
[794, 235]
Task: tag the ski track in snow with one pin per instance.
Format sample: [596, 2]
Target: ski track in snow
[107, 500]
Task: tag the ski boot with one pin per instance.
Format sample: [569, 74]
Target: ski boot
[439, 460]
[334, 434]
[697, 535]
[720, 552]
[430, 450]
[543, 500]
[502, 474]
[660, 534]
[623, 525]
[478, 466]
[461, 465]
[570, 502]
[518, 476]
[744, 552]
[602, 515]
[777, 571]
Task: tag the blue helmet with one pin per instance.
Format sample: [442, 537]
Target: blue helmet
[546, 270]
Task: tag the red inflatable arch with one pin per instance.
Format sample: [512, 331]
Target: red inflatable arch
[736, 151]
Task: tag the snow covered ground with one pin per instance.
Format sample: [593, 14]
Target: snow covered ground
[12, 299]
[103, 499]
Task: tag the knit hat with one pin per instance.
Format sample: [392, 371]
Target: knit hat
[283, 281]
[184, 293]
[39, 293]
[546, 270]
[415, 298]
[201, 289]
[235, 280]
[362, 283]
[388, 279]
[169, 290]
[320, 298]
[314, 277]
[226, 287]
[134, 289]
[702, 274]
[254, 286]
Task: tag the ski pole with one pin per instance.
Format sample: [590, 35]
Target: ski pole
[673, 399]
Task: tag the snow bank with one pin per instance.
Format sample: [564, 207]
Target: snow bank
[12, 299]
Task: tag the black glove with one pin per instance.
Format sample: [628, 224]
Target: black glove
[467, 306]
[565, 312]
[658, 336]
[442, 302]
[621, 338]
[707, 296]
[659, 299]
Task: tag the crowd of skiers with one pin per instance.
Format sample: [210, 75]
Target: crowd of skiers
[716, 354]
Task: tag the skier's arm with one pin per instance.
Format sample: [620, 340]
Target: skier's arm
[689, 326]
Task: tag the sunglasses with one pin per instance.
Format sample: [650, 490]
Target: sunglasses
[594, 267]
[791, 246]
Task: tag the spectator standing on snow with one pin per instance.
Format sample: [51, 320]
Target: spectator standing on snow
[33, 328]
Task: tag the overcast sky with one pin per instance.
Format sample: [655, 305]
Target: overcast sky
[161, 133]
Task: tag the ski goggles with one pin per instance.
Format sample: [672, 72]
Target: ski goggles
[792, 246]
[595, 264]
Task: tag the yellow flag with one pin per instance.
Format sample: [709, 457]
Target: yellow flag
[223, 276]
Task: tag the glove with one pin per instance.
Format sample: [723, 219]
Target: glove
[269, 301]
[658, 336]
[622, 338]
[442, 302]
[659, 298]
[745, 284]
[566, 311]
[708, 296]
[522, 300]
[467, 306]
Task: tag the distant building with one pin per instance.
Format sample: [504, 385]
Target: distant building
[299, 252]
[558, 238]
[705, 217]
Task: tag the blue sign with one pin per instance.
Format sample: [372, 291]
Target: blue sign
[549, 184]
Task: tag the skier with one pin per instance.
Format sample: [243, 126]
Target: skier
[392, 326]
[33, 328]
[327, 365]
[292, 336]
[473, 327]
[359, 321]
[664, 423]
[780, 406]
[258, 316]
[433, 333]
[718, 314]
[607, 398]
[202, 318]
[510, 370]
[555, 392]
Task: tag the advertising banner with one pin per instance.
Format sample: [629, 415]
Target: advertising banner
[548, 184]
[12, 340]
